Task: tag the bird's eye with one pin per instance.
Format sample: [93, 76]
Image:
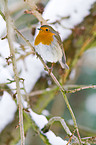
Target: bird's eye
[46, 29]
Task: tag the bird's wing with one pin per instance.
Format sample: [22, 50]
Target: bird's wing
[57, 36]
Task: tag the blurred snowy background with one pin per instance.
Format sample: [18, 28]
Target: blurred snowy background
[75, 20]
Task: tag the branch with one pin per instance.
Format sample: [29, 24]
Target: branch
[55, 88]
[63, 123]
[1, 13]
[24, 56]
[91, 140]
[10, 37]
[54, 119]
[81, 88]
[35, 12]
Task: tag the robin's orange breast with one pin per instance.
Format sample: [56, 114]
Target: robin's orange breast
[44, 37]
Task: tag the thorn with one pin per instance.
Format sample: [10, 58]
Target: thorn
[26, 110]
[4, 37]
[28, 12]
[17, 126]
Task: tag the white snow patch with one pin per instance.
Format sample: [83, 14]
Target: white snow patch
[41, 121]
[55, 140]
[7, 110]
[76, 9]
[2, 26]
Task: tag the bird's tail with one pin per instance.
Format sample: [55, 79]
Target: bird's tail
[63, 60]
[63, 65]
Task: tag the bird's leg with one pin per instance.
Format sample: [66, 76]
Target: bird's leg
[50, 69]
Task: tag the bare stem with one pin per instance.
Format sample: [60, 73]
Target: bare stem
[72, 114]
[81, 88]
[35, 12]
[61, 120]
[55, 88]
[63, 123]
[10, 37]
[2, 15]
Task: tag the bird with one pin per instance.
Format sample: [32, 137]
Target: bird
[49, 46]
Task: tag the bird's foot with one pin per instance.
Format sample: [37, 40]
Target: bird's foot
[50, 69]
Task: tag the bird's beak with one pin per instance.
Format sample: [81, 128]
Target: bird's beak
[38, 28]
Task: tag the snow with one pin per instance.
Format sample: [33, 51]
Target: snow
[55, 140]
[32, 68]
[41, 121]
[76, 9]
[31, 71]
[2, 26]
[4, 72]
[4, 48]
[7, 110]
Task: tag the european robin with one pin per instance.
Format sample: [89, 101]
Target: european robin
[49, 45]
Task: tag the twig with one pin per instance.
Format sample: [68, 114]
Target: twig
[10, 37]
[91, 140]
[35, 12]
[3, 16]
[72, 115]
[81, 88]
[27, 41]
[39, 92]
[24, 56]
[55, 88]
[63, 123]
[25, 92]
[54, 119]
